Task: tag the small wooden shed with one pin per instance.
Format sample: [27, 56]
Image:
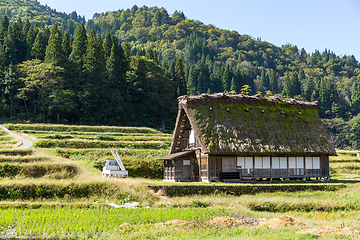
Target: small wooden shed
[219, 137]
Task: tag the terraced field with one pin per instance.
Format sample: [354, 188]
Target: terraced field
[54, 190]
[138, 147]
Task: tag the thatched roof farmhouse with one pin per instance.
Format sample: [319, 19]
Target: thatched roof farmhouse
[221, 137]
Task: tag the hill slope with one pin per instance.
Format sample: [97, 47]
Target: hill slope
[35, 12]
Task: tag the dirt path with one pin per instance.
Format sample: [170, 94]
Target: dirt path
[25, 142]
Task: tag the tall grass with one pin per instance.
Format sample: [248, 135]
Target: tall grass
[22, 159]
[62, 221]
[37, 170]
[101, 144]
[78, 128]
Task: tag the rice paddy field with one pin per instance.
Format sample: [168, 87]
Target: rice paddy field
[55, 190]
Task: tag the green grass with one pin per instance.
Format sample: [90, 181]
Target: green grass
[78, 128]
[75, 221]
[37, 170]
[46, 207]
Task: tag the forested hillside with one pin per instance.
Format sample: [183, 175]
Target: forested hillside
[127, 67]
[39, 14]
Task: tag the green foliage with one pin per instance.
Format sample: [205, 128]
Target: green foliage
[36, 170]
[98, 221]
[58, 190]
[93, 144]
[237, 190]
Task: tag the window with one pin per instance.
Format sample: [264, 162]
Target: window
[186, 162]
[191, 137]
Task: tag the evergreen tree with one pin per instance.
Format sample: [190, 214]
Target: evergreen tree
[4, 26]
[308, 90]
[19, 41]
[54, 50]
[192, 81]
[180, 78]
[226, 77]
[30, 39]
[108, 43]
[127, 49]
[355, 97]
[66, 44]
[273, 80]
[79, 47]
[115, 83]
[264, 80]
[94, 68]
[39, 47]
[292, 86]
[10, 51]
[301, 75]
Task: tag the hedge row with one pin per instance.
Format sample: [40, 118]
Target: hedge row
[58, 171]
[96, 144]
[74, 133]
[14, 152]
[237, 190]
[59, 190]
[106, 137]
[302, 206]
[78, 128]
[22, 159]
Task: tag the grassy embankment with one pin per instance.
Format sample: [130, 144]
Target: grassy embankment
[51, 191]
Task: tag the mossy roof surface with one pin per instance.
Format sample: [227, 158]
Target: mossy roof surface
[251, 124]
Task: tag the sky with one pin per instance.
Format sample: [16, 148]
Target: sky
[308, 24]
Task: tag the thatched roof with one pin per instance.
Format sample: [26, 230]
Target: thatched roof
[226, 124]
[176, 155]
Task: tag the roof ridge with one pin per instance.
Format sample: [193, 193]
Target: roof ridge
[224, 96]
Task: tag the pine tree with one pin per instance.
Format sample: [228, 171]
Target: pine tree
[54, 51]
[180, 78]
[301, 75]
[292, 86]
[192, 81]
[115, 83]
[19, 41]
[273, 79]
[108, 43]
[355, 97]
[30, 39]
[127, 49]
[79, 47]
[4, 26]
[39, 47]
[264, 80]
[94, 68]
[10, 51]
[226, 77]
[308, 90]
[66, 44]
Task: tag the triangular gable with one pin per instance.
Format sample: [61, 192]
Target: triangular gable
[181, 136]
[228, 124]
